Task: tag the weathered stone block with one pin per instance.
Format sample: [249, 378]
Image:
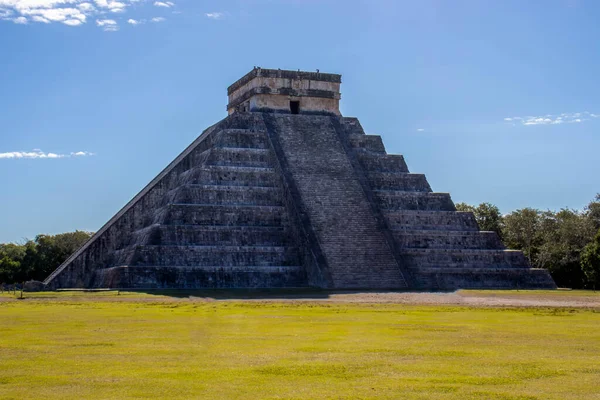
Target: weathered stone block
[34, 286]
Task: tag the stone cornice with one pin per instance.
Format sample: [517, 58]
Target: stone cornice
[286, 74]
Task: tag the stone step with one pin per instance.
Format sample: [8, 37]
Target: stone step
[431, 220]
[352, 126]
[372, 143]
[483, 278]
[221, 194]
[424, 281]
[240, 157]
[430, 239]
[231, 175]
[423, 201]
[214, 255]
[377, 162]
[225, 215]
[243, 138]
[212, 235]
[196, 277]
[465, 258]
[399, 181]
[369, 281]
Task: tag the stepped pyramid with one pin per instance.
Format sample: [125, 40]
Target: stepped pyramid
[286, 192]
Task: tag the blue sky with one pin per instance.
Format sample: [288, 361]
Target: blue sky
[493, 101]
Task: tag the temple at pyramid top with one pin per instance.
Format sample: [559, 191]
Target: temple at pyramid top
[285, 91]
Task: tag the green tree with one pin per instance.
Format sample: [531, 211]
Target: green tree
[592, 211]
[464, 207]
[9, 269]
[11, 258]
[36, 259]
[51, 251]
[563, 235]
[487, 215]
[590, 262]
[521, 231]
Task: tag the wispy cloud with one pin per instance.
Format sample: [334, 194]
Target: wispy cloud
[111, 5]
[420, 130]
[215, 15]
[73, 12]
[553, 119]
[109, 25]
[158, 19]
[82, 154]
[37, 153]
[133, 21]
[166, 4]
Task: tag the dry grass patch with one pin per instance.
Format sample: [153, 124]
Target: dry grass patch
[101, 346]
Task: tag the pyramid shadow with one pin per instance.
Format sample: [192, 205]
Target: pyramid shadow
[237, 294]
[264, 294]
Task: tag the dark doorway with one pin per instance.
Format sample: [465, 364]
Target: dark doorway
[295, 107]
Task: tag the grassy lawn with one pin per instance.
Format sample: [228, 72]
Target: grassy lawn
[104, 345]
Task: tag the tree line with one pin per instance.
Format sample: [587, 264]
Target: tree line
[36, 259]
[565, 242]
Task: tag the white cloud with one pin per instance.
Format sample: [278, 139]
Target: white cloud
[111, 5]
[215, 15]
[57, 15]
[38, 18]
[105, 22]
[37, 153]
[133, 21]
[108, 25]
[72, 22]
[537, 121]
[86, 7]
[554, 119]
[72, 12]
[420, 130]
[157, 19]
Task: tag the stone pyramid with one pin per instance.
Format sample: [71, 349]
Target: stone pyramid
[286, 192]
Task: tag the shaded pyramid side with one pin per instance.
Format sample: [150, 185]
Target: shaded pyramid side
[215, 217]
[440, 247]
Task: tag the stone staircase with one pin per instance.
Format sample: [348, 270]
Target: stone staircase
[442, 248]
[330, 194]
[222, 224]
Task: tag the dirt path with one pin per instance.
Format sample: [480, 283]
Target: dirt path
[476, 298]
[513, 299]
[507, 298]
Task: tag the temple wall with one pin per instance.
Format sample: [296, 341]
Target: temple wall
[272, 90]
[283, 83]
[282, 103]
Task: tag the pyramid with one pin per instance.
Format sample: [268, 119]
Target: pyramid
[286, 192]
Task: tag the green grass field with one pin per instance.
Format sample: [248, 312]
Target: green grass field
[104, 345]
